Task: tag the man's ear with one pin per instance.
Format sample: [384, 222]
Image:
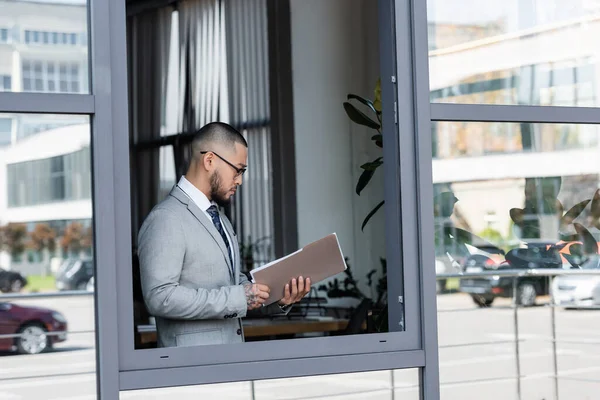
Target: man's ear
[208, 161]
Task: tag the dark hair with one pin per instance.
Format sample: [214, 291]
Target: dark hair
[216, 132]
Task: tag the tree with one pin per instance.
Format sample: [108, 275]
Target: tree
[12, 238]
[43, 237]
[73, 237]
[88, 238]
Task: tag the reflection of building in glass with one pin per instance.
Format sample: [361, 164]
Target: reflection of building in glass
[519, 53]
[43, 47]
[44, 159]
[47, 181]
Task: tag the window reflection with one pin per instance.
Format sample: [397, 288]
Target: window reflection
[46, 246]
[514, 52]
[44, 46]
[460, 139]
[501, 209]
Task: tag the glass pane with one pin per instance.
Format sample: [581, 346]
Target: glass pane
[342, 193]
[376, 385]
[513, 52]
[514, 199]
[46, 247]
[63, 22]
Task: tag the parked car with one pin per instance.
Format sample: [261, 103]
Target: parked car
[75, 274]
[579, 290]
[484, 290]
[90, 285]
[35, 325]
[11, 281]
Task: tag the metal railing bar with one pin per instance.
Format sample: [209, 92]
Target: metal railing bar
[493, 342]
[520, 273]
[501, 308]
[53, 333]
[482, 380]
[25, 296]
[579, 379]
[48, 376]
[584, 341]
[342, 394]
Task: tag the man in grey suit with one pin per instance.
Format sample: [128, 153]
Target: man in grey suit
[189, 254]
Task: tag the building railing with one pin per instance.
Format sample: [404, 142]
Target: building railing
[515, 275]
[517, 341]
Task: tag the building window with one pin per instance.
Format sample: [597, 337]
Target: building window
[5, 131]
[3, 35]
[62, 178]
[50, 76]
[5, 83]
[53, 38]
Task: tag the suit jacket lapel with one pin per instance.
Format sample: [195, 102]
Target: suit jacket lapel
[205, 221]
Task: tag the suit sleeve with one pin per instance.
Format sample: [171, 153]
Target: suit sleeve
[161, 249]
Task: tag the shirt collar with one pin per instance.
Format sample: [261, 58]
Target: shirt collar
[195, 194]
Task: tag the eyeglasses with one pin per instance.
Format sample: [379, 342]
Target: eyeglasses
[239, 171]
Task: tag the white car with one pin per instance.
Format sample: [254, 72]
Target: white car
[578, 290]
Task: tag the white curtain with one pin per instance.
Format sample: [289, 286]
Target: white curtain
[202, 64]
[199, 87]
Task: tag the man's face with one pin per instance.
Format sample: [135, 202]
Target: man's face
[226, 178]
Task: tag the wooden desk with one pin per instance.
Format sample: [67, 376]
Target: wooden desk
[267, 327]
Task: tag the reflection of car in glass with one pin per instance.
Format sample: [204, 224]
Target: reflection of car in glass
[579, 290]
[75, 275]
[90, 285]
[35, 326]
[484, 290]
[11, 281]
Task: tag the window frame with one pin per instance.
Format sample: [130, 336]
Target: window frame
[119, 366]
[151, 368]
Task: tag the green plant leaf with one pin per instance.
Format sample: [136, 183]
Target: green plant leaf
[573, 213]
[369, 170]
[366, 102]
[359, 117]
[572, 260]
[370, 215]
[373, 165]
[567, 237]
[595, 210]
[364, 179]
[590, 246]
[463, 237]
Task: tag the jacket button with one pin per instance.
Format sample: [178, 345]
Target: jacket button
[239, 331]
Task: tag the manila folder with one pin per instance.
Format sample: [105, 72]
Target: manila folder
[318, 261]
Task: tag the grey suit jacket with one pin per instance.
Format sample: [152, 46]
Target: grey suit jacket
[187, 280]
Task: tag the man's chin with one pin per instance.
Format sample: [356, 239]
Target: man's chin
[222, 201]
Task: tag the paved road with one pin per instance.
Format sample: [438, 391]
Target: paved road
[484, 371]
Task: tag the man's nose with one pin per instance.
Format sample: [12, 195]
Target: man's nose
[238, 180]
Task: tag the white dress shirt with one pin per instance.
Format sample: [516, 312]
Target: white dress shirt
[203, 204]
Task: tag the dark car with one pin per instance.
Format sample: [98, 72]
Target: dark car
[484, 290]
[75, 274]
[11, 281]
[36, 329]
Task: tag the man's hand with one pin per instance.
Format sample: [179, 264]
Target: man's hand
[295, 291]
[256, 295]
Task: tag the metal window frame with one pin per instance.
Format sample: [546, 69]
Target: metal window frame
[151, 368]
[428, 112]
[109, 152]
